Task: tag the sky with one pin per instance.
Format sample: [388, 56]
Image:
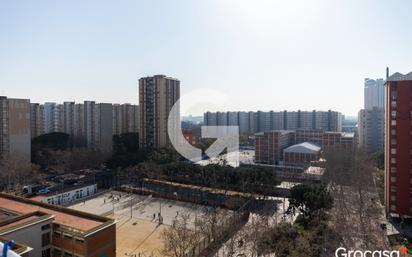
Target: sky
[262, 54]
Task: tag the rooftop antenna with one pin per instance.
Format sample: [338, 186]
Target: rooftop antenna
[387, 73]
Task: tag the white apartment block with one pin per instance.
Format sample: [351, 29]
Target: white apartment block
[36, 120]
[371, 122]
[125, 119]
[254, 122]
[89, 124]
[53, 118]
[68, 118]
[371, 129]
[98, 128]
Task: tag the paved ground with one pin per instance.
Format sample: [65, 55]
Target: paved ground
[138, 237]
[245, 157]
[144, 207]
[138, 232]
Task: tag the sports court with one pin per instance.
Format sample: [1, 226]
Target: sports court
[137, 216]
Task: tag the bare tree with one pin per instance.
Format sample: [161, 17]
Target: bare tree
[211, 223]
[15, 173]
[357, 212]
[179, 238]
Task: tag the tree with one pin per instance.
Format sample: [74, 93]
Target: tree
[211, 222]
[357, 211]
[379, 158]
[280, 239]
[125, 143]
[14, 174]
[179, 239]
[309, 199]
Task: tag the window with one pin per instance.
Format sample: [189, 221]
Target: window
[393, 132]
[44, 227]
[393, 179]
[45, 239]
[393, 160]
[393, 122]
[79, 240]
[393, 198]
[393, 169]
[393, 141]
[393, 208]
[57, 252]
[393, 151]
[67, 254]
[45, 253]
[393, 114]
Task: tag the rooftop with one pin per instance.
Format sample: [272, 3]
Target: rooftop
[400, 77]
[60, 189]
[22, 220]
[80, 221]
[282, 132]
[305, 147]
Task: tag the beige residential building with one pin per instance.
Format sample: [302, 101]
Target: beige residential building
[371, 129]
[53, 117]
[125, 118]
[98, 126]
[157, 95]
[36, 119]
[68, 117]
[15, 139]
[79, 137]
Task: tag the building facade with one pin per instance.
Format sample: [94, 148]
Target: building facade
[301, 154]
[68, 196]
[371, 129]
[53, 117]
[68, 118]
[398, 145]
[371, 121]
[33, 229]
[157, 95]
[98, 126]
[36, 120]
[15, 129]
[374, 94]
[56, 231]
[254, 122]
[125, 118]
[270, 145]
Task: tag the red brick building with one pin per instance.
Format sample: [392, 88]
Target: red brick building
[269, 145]
[332, 141]
[398, 145]
[301, 154]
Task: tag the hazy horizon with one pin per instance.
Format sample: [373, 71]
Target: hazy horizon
[264, 55]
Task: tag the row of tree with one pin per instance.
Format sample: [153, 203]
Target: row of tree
[262, 234]
[258, 180]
